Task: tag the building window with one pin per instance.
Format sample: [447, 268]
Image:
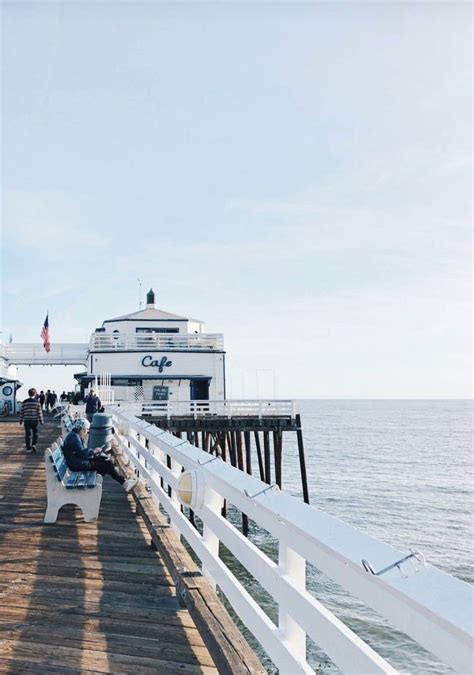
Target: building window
[157, 330]
[126, 382]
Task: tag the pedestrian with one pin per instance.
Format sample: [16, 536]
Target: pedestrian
[48, 400]
[81, 458]
[31, 415]
[63, 397]
[93, 405]
[42, 398]
[54, 398]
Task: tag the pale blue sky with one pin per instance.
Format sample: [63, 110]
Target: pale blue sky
[295, 174]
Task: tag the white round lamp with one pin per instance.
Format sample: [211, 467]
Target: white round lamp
[191, 489]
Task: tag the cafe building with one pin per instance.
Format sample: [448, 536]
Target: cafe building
[153, 355]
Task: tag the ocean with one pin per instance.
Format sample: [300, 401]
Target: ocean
[400, 471]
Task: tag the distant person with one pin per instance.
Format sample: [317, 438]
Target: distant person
[81, 458]
[31, 415]
[54, 398]
[63, 397]
[48, 401]
[93, 405]
[6, 409]
[42, 399]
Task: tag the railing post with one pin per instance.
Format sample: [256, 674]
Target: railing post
[293, 567]
[175, 469]
[214, 501]
[161, 457]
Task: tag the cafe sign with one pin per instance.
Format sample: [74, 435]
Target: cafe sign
[149, 362]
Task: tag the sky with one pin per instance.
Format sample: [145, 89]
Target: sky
[297, 175]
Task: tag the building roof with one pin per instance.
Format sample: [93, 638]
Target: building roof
[149, 314]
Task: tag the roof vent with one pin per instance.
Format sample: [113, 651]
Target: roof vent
[150, 299]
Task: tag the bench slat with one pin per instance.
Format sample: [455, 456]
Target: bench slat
[73, 480]
[61, 468]
[91, 479]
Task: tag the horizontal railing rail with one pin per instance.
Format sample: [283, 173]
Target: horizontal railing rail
[35, 354]
[156, 342]
[432, 607]
[222, 408]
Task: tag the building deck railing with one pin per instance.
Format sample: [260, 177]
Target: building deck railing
[34, 354]
[77, 353]
[221, 408]
[156, 342]
[432, 607]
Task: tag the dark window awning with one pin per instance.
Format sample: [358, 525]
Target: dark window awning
[84, 377]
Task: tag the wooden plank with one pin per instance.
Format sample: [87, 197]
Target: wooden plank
[154, 647]
[46, 579]
[57, 568]
[45, 655]
[91, 608]
[168, 631]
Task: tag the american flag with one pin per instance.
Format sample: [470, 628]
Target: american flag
[45, 335]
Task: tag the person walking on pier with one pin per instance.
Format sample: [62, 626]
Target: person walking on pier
[93, 405]
[42, 398]
[31, 415]
[81, 458]
[49, 400]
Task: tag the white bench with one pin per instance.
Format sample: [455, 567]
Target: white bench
[82, 488]
[66, 422]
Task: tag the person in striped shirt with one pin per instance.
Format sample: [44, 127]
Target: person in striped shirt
[31, 415]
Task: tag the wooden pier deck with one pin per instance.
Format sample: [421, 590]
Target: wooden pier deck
[85, 597]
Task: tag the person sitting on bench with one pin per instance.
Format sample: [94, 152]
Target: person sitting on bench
[81, 458]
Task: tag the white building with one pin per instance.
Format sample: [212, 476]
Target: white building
[9, 384]
[154, 355]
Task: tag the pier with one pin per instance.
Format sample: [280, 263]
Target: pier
[123, 593]
[101, 596]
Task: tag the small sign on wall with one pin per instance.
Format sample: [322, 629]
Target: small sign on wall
[160, 393]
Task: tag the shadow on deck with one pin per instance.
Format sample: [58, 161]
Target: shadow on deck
[75, 596]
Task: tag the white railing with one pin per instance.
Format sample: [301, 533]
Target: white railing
[156, 342]
[34, 354]
[432, 607]
[222, 408]
[104, 390]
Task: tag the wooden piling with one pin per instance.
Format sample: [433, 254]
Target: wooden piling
[248, 452]
[304, 477]
[277, 451]
[266, 449]
[259, 455]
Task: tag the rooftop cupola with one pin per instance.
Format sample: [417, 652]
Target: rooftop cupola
[150, 299]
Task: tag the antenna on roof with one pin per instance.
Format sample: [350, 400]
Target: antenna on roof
[139, 293]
